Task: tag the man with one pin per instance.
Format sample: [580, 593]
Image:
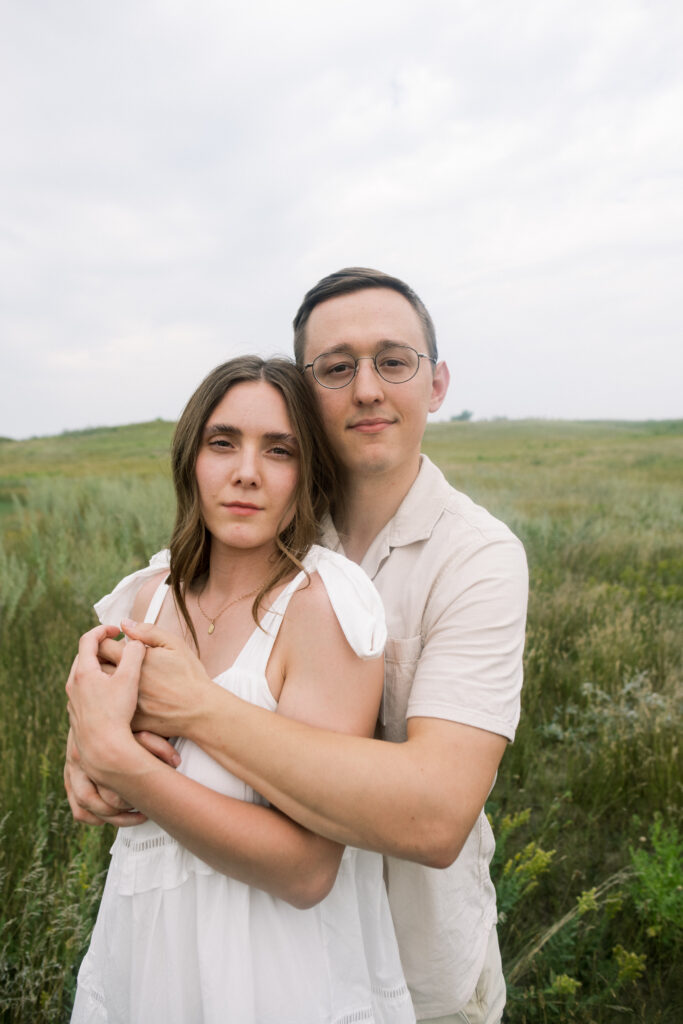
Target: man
[453, 580]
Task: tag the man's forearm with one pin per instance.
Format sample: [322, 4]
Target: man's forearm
[416, 800]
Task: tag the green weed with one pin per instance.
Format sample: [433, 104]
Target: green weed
[587, 805]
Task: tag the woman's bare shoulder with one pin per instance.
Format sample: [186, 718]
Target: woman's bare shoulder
[311, 619]
[311, 598]
[145, 595]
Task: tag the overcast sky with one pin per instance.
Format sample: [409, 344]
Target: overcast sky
[175, 175]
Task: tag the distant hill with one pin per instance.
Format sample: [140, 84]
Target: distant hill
[137, 448]
[488, 448]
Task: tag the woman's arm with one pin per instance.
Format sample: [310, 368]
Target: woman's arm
[257, 845]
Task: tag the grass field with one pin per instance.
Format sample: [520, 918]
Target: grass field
[587, 807]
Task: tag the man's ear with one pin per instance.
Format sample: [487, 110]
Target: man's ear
[440, 383]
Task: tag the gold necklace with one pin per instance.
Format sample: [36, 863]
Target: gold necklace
[236, 600]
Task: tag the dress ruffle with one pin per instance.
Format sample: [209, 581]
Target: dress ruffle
[355, 601]
[353, 597]
[145, 857]
[113, 607]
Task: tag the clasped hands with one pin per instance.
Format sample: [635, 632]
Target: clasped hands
[120, 693]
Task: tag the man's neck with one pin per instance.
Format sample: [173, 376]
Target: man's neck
[371, 501]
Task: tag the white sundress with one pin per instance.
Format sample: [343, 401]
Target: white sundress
[176, 942]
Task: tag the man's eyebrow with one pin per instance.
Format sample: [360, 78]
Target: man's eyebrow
[343, 347]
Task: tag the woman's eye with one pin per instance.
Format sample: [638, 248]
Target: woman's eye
[220, 442]
[280, 450]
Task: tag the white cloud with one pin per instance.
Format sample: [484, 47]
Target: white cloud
[175, 176]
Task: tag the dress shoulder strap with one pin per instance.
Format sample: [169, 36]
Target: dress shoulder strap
[354, 600]
[258, 647]
[155, 604]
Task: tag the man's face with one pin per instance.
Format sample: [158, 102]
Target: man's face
[374, 426]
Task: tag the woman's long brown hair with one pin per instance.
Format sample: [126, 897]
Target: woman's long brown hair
[318, 489]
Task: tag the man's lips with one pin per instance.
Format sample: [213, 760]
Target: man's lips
[374, 425]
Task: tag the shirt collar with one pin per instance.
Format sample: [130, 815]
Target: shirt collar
[413, 521]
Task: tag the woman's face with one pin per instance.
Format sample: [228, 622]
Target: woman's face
[247, 467]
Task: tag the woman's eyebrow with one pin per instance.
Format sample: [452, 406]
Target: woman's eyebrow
[221, 428]
[275, 437]
[270, 437]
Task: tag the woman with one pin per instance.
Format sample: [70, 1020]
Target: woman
[218, 907]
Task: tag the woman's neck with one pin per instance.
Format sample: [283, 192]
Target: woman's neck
[234, 571]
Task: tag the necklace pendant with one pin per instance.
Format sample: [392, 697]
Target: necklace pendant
[211, 628]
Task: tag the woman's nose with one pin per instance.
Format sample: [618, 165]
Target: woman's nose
[245, 469]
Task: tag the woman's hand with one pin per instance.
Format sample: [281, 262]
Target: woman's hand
[101, 706]
[172, 682]
[90, 804]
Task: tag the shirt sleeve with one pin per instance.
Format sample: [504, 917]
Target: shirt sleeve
[470, 669]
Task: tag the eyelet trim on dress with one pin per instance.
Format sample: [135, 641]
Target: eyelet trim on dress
[390, 994]
[96, 997]
[355, 1016]
[146, 844]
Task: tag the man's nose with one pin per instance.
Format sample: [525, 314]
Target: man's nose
[367, 384]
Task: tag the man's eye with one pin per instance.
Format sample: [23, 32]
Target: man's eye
[339, 368]
[391, 361]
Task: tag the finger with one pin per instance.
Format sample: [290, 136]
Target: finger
[88, 646]
[88, 806]
[159, 746]
[150, 634]
[72, 672]
[113, 799]
[131, 661]
[111, 651]
[72, 753]
[80, 815]
[77, 792]
[121, 819]
[124, 819]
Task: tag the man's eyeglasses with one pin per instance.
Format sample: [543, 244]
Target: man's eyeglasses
[396, 364]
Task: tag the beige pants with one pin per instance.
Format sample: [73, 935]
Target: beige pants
[487, 1004]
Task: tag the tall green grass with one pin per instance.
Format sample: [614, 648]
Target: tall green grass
[587, 807]
[588, 804]
[64, 543]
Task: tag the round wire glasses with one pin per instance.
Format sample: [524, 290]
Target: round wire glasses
[395, 364]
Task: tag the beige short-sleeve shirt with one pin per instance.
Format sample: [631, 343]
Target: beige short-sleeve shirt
[454, 583]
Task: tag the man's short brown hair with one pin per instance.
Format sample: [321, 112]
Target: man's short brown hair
[356, 279]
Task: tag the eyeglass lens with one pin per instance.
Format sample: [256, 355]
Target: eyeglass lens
[395, 364]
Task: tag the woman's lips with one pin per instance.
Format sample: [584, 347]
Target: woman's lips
[238, 509]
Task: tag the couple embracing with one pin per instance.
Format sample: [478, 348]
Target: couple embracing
[309, 846]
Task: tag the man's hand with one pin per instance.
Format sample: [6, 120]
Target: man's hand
[172, 681]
